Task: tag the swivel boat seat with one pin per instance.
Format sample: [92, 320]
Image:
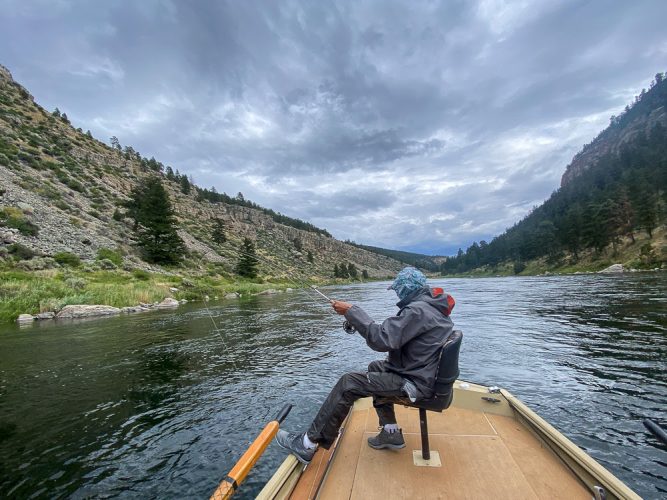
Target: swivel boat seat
[448, 371]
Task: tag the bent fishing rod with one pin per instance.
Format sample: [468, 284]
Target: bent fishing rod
[243, 466]
[300, 284]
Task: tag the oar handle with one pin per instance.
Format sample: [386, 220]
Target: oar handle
[656, 430]
[241, 469]
[282, 415]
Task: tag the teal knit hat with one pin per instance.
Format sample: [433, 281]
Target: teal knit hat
[407, 281]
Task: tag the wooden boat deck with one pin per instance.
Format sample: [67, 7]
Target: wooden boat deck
[496, 449]
[483, 456]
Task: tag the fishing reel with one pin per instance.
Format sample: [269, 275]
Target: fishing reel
[347, 326]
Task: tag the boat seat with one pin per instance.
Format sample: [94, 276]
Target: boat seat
[448, 372]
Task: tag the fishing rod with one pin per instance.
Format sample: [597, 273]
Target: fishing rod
[347, 326]
[300, 284]
[238, 473]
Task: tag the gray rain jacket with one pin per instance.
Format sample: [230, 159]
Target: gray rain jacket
[413, 337]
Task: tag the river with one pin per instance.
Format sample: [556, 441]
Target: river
[160, 404]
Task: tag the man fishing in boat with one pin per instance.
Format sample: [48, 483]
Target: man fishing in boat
[412, 340]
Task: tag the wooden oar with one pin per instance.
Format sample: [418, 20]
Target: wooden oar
[236, 476]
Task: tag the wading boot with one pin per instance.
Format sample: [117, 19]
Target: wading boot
[294, 443]
[391, 440]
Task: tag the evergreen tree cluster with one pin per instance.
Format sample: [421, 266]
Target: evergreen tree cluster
[616, 197]
[186, 185]
[418, 260]
[343, 270]
[214, 197]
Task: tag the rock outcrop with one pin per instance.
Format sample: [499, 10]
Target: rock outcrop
[167, 303]
[614, 268]
[86, 311]
[648, 111]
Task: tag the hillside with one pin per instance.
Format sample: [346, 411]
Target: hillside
[611, 206]
[61, 190]
[422, 261]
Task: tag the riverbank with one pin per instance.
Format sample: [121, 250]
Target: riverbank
[638, 255]
[50, 290]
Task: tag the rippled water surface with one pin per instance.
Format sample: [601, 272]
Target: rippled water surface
[161, 405]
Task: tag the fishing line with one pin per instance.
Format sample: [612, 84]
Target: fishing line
[300, 284]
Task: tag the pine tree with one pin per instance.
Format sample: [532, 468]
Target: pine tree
[571, 228]
[352, 271]
[151, 209]
[364, 274]
[310, 256]
[185, 184]
[336, 271]
[218, 233]
[647, 208]
[247, 264]
[596, 228]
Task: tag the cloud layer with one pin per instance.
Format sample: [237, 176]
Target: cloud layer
[410, 125]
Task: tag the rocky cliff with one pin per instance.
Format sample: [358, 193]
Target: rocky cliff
[70, 188]
[649, 109]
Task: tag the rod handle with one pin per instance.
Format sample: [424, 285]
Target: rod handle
[282, 415]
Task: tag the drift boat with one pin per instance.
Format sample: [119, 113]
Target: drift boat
[487, 444]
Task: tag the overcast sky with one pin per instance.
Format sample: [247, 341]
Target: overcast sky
[412, 125]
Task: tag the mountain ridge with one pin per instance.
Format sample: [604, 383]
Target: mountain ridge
[72, 188]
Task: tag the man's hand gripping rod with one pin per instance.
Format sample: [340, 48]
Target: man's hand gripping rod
[346, 324]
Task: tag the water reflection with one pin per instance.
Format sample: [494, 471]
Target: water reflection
[163, 403]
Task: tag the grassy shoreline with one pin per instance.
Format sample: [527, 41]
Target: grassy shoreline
[32, 292]
[35, 291]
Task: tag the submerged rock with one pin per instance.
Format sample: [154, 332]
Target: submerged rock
[270, 291]
[232, 295]
[86, 311]
[614, 268]
[46, 315]
[25, 318]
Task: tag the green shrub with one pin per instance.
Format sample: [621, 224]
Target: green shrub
[76, 283]
[21, 252]
[519, 267]
[36, 264]
[75, 185]
[107, 265]
[13, 217]
[67, 259]
[140, 274]
[112, 255]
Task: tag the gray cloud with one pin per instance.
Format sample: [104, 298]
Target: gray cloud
[413, 125]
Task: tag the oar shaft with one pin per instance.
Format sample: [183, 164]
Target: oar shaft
[246, 462]
[239, 472]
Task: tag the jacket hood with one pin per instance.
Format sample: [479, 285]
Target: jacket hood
[435, 297]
